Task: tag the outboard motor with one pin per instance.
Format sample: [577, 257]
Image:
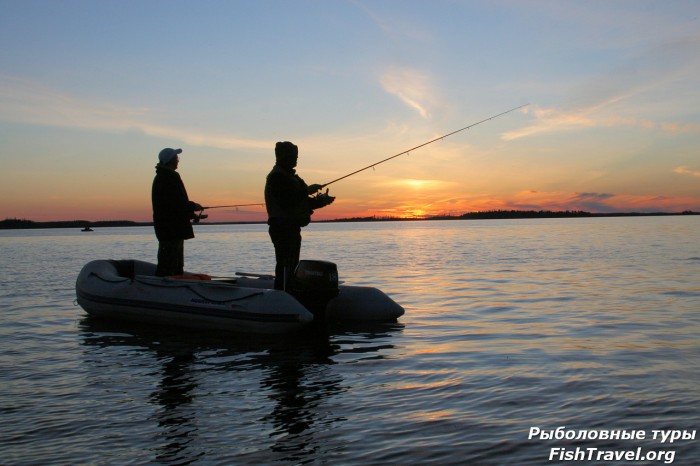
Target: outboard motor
[314, 284]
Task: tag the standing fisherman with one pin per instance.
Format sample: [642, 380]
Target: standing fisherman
[172, 213]
[289, 207]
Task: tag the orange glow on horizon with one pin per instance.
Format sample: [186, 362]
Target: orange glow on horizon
[407, 199]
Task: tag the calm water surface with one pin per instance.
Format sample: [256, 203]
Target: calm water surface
[592, 324]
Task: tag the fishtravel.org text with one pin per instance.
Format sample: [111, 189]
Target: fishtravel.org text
[662, 455]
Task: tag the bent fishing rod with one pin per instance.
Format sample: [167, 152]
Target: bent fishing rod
[422, 145]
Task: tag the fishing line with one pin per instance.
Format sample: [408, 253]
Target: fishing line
[408, 151]
[423, 145]
[234, 205]
[201, 216]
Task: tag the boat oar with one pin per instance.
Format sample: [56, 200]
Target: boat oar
[229, 280]
[255, 275]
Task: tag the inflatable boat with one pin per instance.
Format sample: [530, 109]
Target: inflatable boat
[247, 303]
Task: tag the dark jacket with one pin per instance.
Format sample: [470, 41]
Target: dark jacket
[172, 209]
[287, 198]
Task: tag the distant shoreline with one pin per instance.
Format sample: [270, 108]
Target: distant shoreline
[19, 224]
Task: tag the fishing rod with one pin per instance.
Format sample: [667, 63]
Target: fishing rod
[422, 145]
[202, 216]
[234, 205]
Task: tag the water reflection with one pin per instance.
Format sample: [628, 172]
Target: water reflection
[296, 385]
[175, 359]
[295, 377]
[174, 393]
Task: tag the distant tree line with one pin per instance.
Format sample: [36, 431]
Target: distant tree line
[16, 223]
[526, 214]
[373, 218]
[514, 214]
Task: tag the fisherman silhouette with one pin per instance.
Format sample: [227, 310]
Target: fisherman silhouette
[290, 204]
[172, 214]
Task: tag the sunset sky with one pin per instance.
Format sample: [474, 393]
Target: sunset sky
[91, 91]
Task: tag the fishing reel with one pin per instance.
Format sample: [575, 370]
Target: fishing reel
[199, 216]
[321, 200]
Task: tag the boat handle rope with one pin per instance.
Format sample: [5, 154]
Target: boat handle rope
[195, 292]
[176, 285]
[120, 280]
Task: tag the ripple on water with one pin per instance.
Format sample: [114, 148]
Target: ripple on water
[509, 325]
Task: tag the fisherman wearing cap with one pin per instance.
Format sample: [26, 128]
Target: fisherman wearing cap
[289, 207]
[172, 214]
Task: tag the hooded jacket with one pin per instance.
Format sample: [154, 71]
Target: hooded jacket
[286, 198]
[172, 209]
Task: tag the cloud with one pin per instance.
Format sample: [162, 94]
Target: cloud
[682, 170]
[551, 120]
[413, 183]
[393, 25]
[412, 87]
[593, 202]
[680, 127]
[642, 92]
[599, 202]
[27, 102]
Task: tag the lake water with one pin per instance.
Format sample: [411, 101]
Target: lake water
[591, 326]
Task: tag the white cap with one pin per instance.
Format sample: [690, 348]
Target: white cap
[167, 155]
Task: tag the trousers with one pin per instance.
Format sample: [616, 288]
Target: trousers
[171, 258]
[287, 242]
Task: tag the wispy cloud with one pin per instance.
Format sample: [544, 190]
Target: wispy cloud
[27, 102]
[548, 120]
[628, 95]
[551, 120]
[682, 170]
[412, 87]
[392, 24]
[416, 184]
